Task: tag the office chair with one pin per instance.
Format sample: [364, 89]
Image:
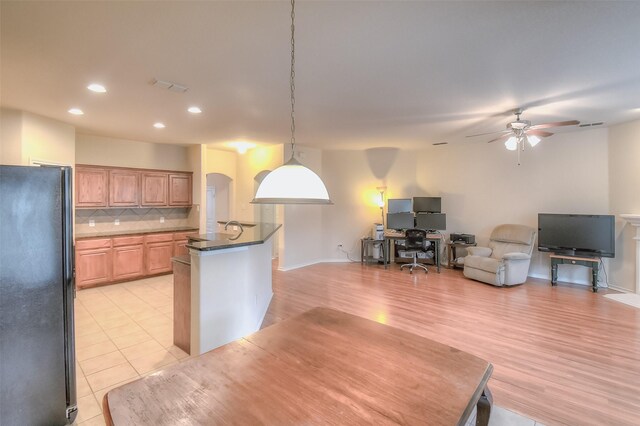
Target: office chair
[415, 243]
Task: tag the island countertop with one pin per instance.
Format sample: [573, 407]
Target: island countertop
[252, 235]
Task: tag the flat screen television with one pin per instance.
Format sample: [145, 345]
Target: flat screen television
[400, 221]
[427, 204]
[399, 205]
[577, 234]
[431, 221]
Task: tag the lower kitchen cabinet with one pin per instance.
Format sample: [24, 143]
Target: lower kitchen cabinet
[93, 262]
[127, 257]
[158, 257]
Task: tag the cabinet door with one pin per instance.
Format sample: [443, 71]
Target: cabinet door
[180, 248]
[158, 257]
[92, 187]
[154, 189]
[180, 189]
[93, 267]
[124, 188]
[128, 262]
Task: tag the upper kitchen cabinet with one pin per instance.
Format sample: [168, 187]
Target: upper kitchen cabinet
[124, 188]
[92, 187]
[180, 189]
[104, 186]
[154, 189]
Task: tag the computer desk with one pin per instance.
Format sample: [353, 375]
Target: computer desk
[392, 237]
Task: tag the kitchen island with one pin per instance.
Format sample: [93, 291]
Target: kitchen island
[230, 287]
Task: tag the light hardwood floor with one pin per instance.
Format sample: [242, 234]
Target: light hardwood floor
[561, 355]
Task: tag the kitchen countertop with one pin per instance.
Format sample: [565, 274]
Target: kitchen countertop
[257, 234]
[98, 234]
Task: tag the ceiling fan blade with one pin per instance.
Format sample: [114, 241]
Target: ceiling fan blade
[489, 133]
[555, 124]
[500, 138]
[541, 133]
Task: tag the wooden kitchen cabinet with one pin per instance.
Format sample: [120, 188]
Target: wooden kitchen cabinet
[158, 253]
[128, 257]
[92, 187]
[102, 187]
[180, 189]
[180, 241]
[124, 188]
[103, 260]
[93, 262]
[154, 189]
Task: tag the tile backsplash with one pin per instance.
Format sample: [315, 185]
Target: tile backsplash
[134, 219]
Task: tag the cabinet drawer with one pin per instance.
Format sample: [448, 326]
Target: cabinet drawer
[158, 238]
[97, 243]
[128, 241]
[179, 236]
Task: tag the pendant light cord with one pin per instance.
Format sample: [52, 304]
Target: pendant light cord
[292, 83]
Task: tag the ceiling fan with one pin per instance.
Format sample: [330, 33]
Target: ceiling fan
[520, 131]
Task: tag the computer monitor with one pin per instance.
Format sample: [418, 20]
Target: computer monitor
[400, 221]
[399, 205]
[431, 221]
[427, 204]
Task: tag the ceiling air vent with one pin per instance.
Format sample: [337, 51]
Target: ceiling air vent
[169, 85]
[598, 123]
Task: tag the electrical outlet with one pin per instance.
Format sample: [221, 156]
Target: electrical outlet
[116, 222]
[92, 222]
[161, 219]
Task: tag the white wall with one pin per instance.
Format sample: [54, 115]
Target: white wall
[10, 137]
[624, 196]
[105, 151]
[302, 233]
[197, 156]
[352, 178]
[481, 186]
[28, 138]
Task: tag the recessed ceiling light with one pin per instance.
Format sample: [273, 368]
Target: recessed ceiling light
[194, 110]
[98, 88]
[76, 111]
[159, 125]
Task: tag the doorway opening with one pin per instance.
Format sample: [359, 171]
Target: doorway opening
[218, 200]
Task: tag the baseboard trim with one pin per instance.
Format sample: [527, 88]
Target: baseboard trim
[302, 265]
[620, 289]
[548, 278]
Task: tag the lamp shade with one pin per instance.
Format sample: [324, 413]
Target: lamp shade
[292, 183]
[511, 144]
[533, 140]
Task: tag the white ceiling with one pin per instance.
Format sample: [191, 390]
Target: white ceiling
[405, 74]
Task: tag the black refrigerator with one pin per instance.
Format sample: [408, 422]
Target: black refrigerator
[37, 358]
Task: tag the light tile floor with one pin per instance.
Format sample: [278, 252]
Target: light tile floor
[125, 331]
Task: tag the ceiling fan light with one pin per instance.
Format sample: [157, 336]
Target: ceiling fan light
[533, 140]
[292, 183]
[511, 144]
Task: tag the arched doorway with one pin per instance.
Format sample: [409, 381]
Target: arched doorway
[218, 199]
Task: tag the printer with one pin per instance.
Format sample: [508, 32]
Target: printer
[462, 238]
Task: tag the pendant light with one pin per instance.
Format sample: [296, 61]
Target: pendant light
[292, 183]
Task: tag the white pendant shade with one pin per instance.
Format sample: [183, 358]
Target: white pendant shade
[292, 183]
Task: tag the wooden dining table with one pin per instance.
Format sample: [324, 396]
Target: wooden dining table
[321, 367]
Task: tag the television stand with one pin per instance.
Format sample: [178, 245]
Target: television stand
[589, 262]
